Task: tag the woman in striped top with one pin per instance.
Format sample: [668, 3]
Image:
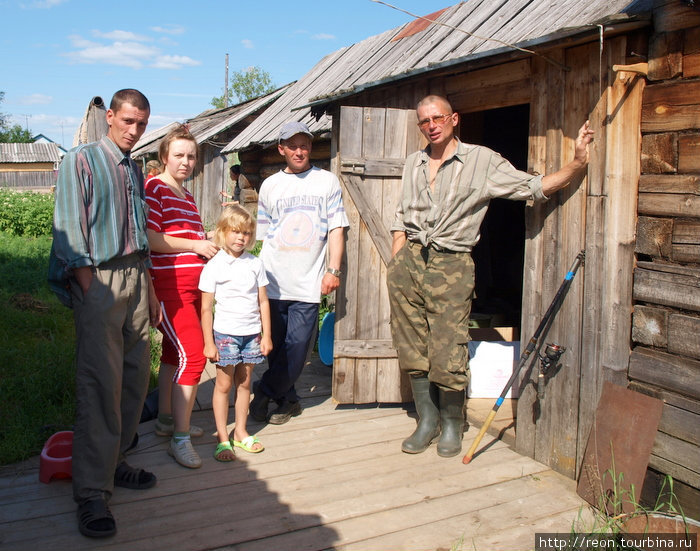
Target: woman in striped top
[179, 250]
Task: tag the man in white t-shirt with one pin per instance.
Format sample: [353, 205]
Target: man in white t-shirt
[300, 219]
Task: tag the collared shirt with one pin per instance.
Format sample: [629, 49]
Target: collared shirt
[450, 216]
[100, 211]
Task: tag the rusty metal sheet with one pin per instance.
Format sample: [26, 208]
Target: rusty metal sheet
[617, 453]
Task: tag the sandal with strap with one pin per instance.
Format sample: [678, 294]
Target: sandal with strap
[224, 452]
[248, 443]
[127, 476]
[95, 520]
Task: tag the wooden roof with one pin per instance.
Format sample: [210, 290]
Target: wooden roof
[209, 123]
[464, 32]
[29, 153]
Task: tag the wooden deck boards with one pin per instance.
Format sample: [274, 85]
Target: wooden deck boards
[333, 478]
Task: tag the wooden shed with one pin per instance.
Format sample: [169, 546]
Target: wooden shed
[212, 129]
[524, 75]
[29, 166]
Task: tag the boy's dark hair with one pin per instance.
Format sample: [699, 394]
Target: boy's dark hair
[235, 169]
[132, 96]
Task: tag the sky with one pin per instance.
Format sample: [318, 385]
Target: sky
[56, 55]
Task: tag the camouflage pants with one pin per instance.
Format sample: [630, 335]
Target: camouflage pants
[430, 294]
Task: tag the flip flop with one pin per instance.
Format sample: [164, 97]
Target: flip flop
[220, 451]
[247, 444]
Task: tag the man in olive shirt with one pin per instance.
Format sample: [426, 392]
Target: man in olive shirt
[446, 192]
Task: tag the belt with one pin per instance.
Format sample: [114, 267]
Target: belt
[434, 247]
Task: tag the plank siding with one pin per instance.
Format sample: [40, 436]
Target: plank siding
[373, 144]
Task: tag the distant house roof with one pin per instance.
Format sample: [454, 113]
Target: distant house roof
[464, 32]
[40, 138]
[29, 153]
[209, 123]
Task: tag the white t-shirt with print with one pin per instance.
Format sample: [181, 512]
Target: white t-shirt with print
[296, 212]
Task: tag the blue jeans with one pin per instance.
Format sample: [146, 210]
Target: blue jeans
[294, 328]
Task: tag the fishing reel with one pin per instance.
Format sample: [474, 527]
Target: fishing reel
[549, 365]
[552, 353]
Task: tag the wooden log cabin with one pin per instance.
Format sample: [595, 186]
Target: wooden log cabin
[632, 316]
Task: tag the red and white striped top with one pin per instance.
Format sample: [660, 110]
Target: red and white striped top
[172, 215]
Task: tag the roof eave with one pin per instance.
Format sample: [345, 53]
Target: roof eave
[611, 26]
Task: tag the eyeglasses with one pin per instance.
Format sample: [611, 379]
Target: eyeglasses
[437, 119]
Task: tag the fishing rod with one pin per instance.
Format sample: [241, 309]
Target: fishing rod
[551, 311]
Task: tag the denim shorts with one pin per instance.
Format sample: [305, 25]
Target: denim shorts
[234, 350]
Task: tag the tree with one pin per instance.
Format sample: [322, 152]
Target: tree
[245, 85]
[14, 133]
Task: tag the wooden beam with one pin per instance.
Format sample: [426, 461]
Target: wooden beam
[660, 153]
[671, 106]
[379, 233]
[650, 326]
[665, 370]
[667, 183]
[689, 152]
[669, 289]
[683, 334]
[654, 236]
[664, 204]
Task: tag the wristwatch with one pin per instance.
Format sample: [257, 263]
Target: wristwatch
[334, 272]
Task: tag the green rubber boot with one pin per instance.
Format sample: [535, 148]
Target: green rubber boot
[425, 396]
[452, 422]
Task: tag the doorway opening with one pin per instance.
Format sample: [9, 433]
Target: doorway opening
[499, 255]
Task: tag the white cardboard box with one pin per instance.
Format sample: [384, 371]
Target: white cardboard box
[491, 365]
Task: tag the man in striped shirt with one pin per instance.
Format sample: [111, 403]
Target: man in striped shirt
[99, 266]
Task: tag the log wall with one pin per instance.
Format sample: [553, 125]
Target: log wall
[665, 360]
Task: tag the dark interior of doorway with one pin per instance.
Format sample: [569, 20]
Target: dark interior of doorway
[499, 256]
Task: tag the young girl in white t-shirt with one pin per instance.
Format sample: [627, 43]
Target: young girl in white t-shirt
[236, 280]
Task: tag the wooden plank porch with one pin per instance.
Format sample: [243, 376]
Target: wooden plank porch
[333, 478]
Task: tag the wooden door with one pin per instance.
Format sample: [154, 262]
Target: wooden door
[597, 213]
[372, 147]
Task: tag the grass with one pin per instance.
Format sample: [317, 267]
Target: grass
[36, 355]
[37, 351]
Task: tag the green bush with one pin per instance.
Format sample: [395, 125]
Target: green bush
[26, 213]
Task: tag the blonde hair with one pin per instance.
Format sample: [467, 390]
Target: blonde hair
[154, 167]
[234, 218]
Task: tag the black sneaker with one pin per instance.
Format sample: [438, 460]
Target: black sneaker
[259, 404]
[284, 412]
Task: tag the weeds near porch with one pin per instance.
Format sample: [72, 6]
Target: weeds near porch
[610, 520]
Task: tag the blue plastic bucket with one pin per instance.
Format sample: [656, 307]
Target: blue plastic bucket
[325, 338]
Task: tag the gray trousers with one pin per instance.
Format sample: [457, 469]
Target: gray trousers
[430, 294]
[112, 371]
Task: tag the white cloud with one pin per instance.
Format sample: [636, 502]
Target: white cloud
[125, 49]
[323, 36]
[174, 62]
[124, 54]
[169, 29]
[35, 99]
[248, 44]
[122, 36]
